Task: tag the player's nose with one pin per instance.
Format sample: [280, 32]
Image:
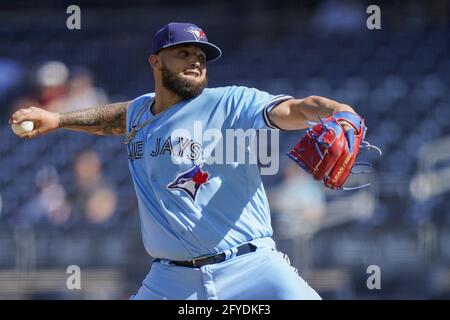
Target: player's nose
[195, 63]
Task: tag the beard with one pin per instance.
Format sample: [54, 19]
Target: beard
[182, 87]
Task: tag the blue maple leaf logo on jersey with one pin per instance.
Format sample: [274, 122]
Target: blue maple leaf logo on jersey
[190, 181]
[196, 32]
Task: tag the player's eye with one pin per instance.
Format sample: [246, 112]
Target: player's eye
[183, 54]
[202, 58]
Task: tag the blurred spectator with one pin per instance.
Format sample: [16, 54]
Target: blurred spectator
[54, 91]
[49, 206]
[82, 93]
[298, 204]
[94, 201]
[52, 81]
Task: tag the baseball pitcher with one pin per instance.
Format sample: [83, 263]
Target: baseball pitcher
[208, 224]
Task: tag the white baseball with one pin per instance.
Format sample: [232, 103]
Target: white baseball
[24, 126]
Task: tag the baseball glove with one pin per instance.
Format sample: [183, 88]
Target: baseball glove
[330, 148]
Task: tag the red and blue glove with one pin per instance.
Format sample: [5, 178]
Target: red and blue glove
[330, 148]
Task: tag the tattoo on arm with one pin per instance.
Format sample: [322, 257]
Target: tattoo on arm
[105, 120]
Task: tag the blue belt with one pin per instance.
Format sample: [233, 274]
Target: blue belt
[205, 260]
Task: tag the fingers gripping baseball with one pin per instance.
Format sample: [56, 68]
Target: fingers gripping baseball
[43, 121]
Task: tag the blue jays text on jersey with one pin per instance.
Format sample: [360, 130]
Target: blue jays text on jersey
[190, 208]
[160, 148]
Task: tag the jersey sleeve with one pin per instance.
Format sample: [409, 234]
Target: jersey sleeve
[250, 108]
[135, 109]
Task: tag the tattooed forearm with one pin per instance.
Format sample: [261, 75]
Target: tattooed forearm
[105, 120]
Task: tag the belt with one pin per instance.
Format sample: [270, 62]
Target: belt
[220, 257]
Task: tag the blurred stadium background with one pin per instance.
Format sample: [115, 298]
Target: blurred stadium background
[67, 198]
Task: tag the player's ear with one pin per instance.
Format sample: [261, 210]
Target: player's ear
[154, 61]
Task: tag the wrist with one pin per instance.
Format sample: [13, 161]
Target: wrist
[58, 120]
[344, 108]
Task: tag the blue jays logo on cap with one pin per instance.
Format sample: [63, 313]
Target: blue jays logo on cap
[176, 33]
[197, 33]
[190, 181]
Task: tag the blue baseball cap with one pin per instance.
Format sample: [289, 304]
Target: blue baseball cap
[176, 33]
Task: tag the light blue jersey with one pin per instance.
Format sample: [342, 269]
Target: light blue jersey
[193, 208]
